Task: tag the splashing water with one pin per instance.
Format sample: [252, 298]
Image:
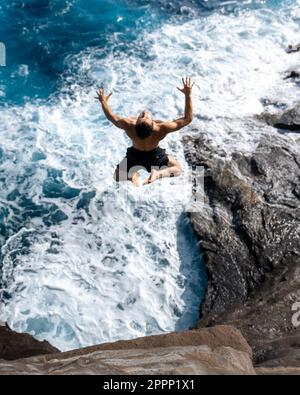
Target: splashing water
[84, 261]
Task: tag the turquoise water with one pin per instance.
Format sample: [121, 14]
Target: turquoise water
[40, 35]
[82, 263]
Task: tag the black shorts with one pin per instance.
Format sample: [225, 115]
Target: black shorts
[156, 158]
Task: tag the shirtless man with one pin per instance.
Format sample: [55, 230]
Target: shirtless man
[145, 134]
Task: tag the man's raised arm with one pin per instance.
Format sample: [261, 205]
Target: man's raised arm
[173, 126]
[118, 121]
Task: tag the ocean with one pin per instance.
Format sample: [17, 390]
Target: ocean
[83, 261]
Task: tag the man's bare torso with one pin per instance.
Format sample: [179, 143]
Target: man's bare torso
[149, 143]
[156, 131]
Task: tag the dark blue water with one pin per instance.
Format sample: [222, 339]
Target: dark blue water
[41, 34]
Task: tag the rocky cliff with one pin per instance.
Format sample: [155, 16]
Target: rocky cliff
[218, 350]
[249, 229]
[15, 345]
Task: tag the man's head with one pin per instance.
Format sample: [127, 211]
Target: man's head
[144, 125]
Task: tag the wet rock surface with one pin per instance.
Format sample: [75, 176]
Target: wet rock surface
[293, 74]
[249, 229]
[293, 48]
[288, 120]
[265, 319]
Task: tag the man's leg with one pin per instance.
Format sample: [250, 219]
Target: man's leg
[123, 173]
[173, 170]
[135, 177]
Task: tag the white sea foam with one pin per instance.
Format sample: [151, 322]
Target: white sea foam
[130, 265]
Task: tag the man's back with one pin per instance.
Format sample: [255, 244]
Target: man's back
[148, 143]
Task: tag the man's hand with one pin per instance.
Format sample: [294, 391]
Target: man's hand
[177, 124]
[187, 86]
[101, 96]
[122, 123]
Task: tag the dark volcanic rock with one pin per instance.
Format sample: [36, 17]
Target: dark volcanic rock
[293, 48]
[287, 120]
[292, 74]
[249, 231]
[15, 345]
[266, 319]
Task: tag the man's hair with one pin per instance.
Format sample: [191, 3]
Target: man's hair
[143, 130]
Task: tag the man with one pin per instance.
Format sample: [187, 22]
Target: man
[145, 134]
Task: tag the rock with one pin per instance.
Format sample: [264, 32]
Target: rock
[289, 120]
[221, 335]
[293, 48]
[164, 361]
[249, 232]
[286, 120]
[218, 350]
[2, 323]
[15, 345]
[266, 319]
[278, 371]
[292, 74]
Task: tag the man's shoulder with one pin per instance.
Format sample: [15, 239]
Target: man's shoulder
[127, 123]
[132, 119]
[129, 126]
[159, 126]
